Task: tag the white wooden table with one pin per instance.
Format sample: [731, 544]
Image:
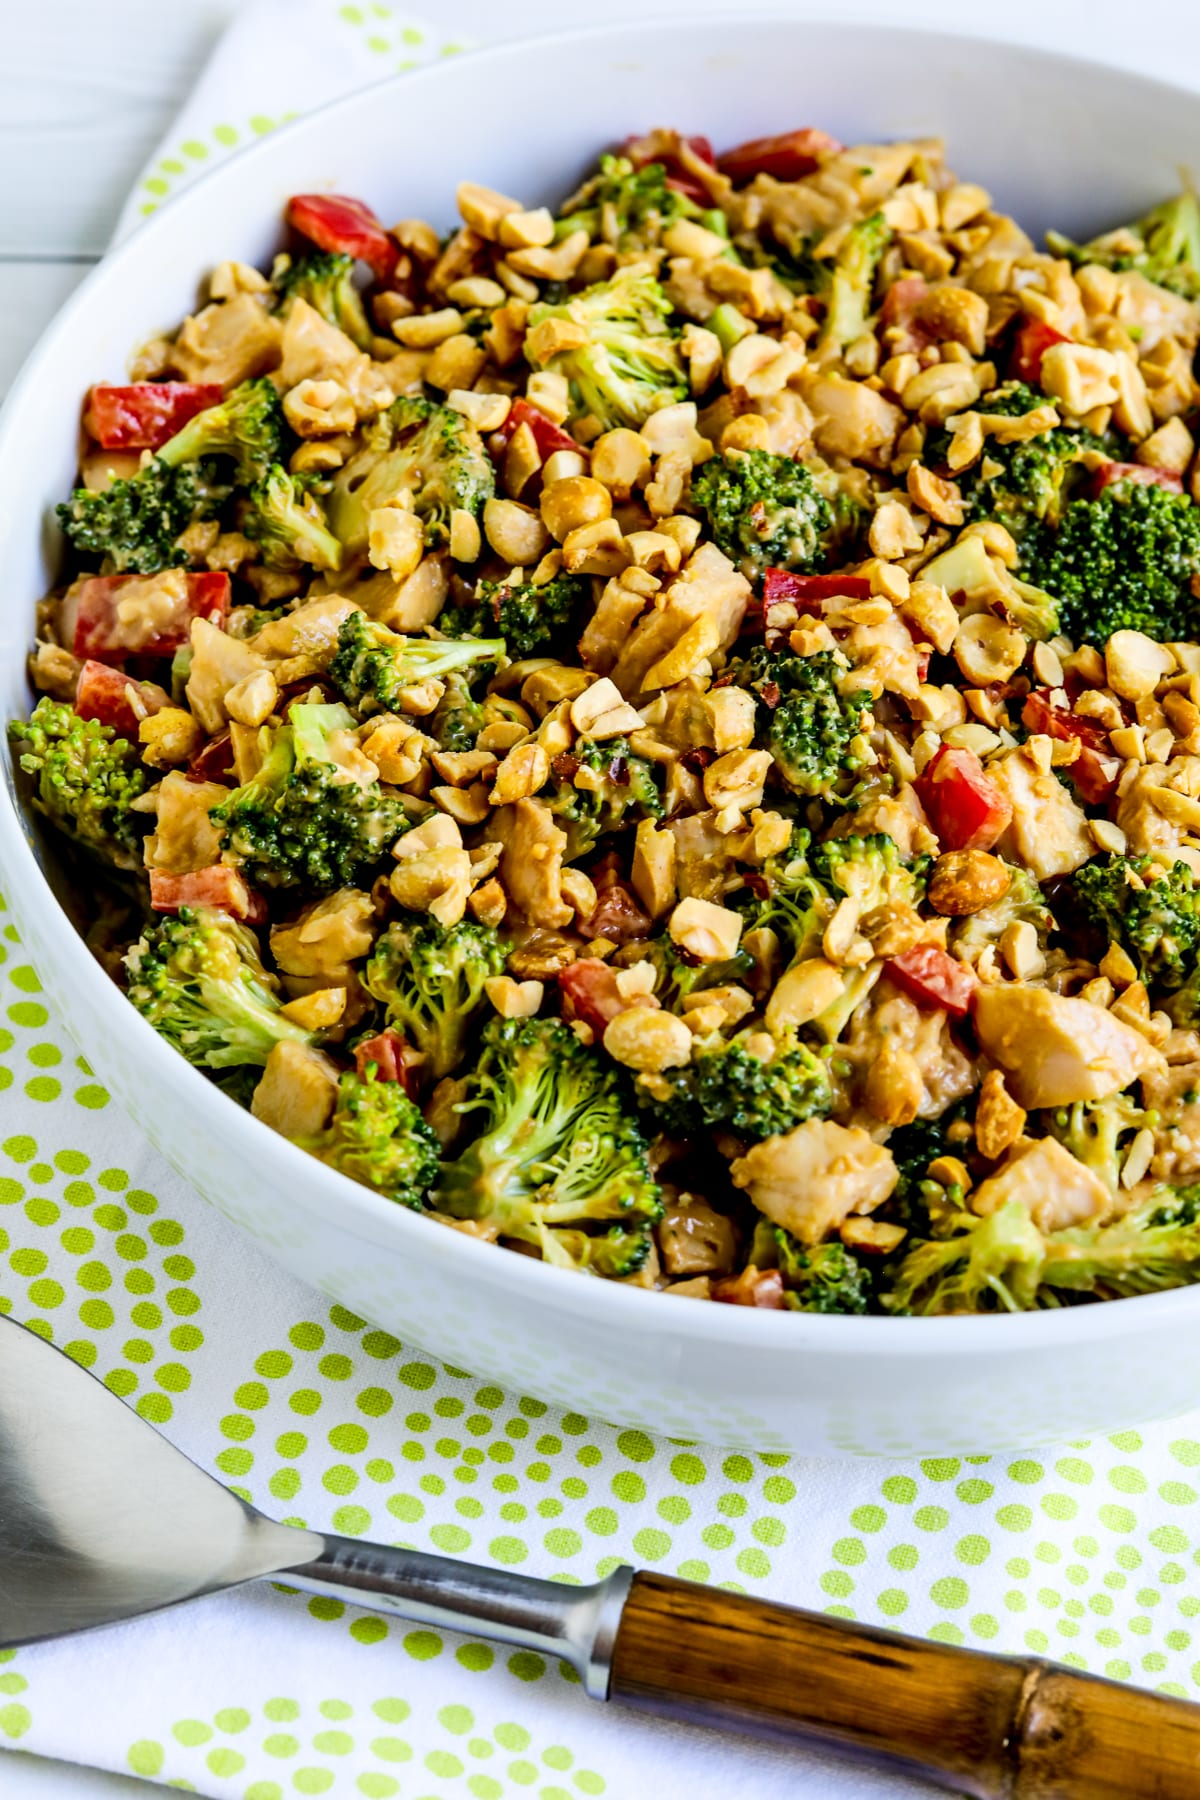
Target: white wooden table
[87, 87]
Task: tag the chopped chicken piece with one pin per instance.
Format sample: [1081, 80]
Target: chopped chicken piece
[219, 662]
[1049, 831]
[185, 838]
[531, 862]
[812, 1178]
[297, 1091]
[327, 935]
[229, 342]
[1055, 1189]
[1055, 1050]
[699, 613]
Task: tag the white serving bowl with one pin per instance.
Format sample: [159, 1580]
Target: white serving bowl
[1058, 142]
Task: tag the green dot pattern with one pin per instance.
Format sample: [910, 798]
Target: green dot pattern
[386, 42]
[1089, 1553]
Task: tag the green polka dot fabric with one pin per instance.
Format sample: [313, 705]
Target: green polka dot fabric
[1088, 1553]
[281, 58]
[323, 1419]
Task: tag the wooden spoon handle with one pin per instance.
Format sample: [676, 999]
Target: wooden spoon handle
[992, 1727]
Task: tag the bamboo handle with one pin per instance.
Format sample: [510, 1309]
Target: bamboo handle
[991, 1727]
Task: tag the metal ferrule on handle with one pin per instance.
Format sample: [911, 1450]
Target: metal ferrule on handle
[578, 1624]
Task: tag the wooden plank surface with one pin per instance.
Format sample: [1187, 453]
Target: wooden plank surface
[86, 91]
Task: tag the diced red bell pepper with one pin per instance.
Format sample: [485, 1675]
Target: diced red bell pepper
[933, 979]
[108, 695]
[1142, 473]
[548, 436]
[787, 156]
[901, 312]
[394, 1059]
[145, 414]
[1095, 776]
[589, 992]
[807, 591]
[92, 616]
[1039, 714]
[1029, 346]
[643, 150]
[214, 761]
[753, 1287]
[1095, 770]
[349, 227]
[216, 886]
[902, 299]
[964, 806]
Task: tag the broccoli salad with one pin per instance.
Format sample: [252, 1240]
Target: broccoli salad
[663, 733]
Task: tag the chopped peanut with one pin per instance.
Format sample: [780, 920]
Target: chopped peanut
[170, 736]
[999, 1121]
[646, 1039]
[707, 932]
[514, 999]
[396, 539]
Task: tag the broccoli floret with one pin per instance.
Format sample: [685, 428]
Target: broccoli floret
[1155, 1246]
[415, 447]
[675, 978]
[86, 780]
[729, 325]
[1124, 561]
[1021, 902]
[851, 280]
[629, 362]
[988, 1265]
[286, 520]
[430, 978]
[1164, 246]
[1152, 912]
[1031, 609]
[459, 717]
[529, 616]
[727, 1085]
[764, 511]
[1096, 1133]
[914, 1148]
[132, 525]
[373, 665]
[822, 1278]
[787, 898]
[378, 1138]
[869, 870]
[1183, 1006]
[814, 731]
[304, 820]
[1004, 1262]
[1036, 478]
[247, 426]
[199, 980]
[558, 1158]
[325, 279]
[616, 783]
[626, 207]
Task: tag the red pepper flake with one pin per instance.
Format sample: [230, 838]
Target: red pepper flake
[697, 760]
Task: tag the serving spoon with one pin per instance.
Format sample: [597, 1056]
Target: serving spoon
[101, 1519]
